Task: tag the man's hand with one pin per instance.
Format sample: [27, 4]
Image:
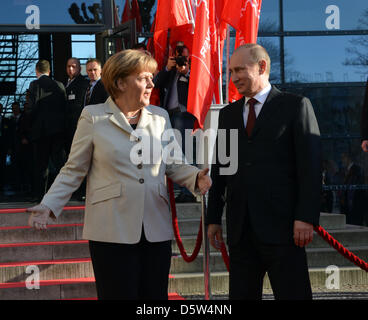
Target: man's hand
[40, 215]
[183, 69]
[303, 233]
[365, 145]
[204, 181]
[171, 63]
[214, 233]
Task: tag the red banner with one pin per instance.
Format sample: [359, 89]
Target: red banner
[204, 73]
[246, 23]
[131, 11]
[170, 14]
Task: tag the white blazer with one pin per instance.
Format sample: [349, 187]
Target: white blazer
[121, 194]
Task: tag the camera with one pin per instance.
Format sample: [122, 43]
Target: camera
[181, 61]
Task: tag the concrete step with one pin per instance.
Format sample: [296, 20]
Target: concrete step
[349, 236]
[185, 211]
[182, 284]
[57, 232]
[193, 283]
[15, 252]
[50, 290]
[41, 244]
[55, 263]
[48, 270]
[317, 257]
[70, 231]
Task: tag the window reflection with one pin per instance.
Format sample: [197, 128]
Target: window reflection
[338, 109]
[272, 45]
[345, 166]
[324, 15]
[269, 20]
[325, 59]
[53, 12]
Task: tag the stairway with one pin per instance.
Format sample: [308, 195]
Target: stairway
[62, 257]
[8, 64]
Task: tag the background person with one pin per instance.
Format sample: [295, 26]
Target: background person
[127, 219]
[96, 92]
[273, 200]
[47, 101]
[75, 88]
[173, 85]
[364, 121]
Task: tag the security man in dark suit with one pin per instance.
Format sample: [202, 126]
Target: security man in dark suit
[5, 144]
[173, 85]
[47, 101]
[96, 92]
[75, 88]
[364, 121]
[273, 198]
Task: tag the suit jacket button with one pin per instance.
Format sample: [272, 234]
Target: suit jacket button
[140, 151]
[139, 166]
[141, 180]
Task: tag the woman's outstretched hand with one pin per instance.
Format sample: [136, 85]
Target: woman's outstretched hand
[40, 216]
[204, 181]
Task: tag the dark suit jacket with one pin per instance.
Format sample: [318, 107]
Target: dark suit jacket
[6, 133]
[364, 119]
[99, 94]
[75, 94]
[279, 176]
[47, 100]
[353, 202]
[164, 82]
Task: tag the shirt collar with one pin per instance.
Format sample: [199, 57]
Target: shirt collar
[95, 81]
[262, 95]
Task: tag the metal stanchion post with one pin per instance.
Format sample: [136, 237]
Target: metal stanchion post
[206, 252]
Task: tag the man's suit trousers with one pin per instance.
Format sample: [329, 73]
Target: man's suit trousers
[286, 266]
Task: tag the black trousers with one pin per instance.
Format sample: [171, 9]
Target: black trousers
[131, 271]
[286, 266]
[46, 149]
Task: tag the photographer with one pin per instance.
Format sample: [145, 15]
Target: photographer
[173, 84]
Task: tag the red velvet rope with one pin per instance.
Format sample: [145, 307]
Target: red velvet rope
[176, 228]
[318, 229]
[329, 239]
[340, 248]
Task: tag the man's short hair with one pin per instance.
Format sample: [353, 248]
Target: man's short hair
[257, 53]
[43, 66]
[98, 61]
[76, 59]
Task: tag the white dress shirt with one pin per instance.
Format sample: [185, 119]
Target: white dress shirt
[261, 98]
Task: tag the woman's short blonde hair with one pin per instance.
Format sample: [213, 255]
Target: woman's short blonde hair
[124, 64]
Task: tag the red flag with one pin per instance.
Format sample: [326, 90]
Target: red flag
[221, 26]
[131, 11]
[170, 14]
[246, 23]
[204, 72]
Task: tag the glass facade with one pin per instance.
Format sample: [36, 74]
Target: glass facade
[321, 15]
[319, 49]
[48, 12]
